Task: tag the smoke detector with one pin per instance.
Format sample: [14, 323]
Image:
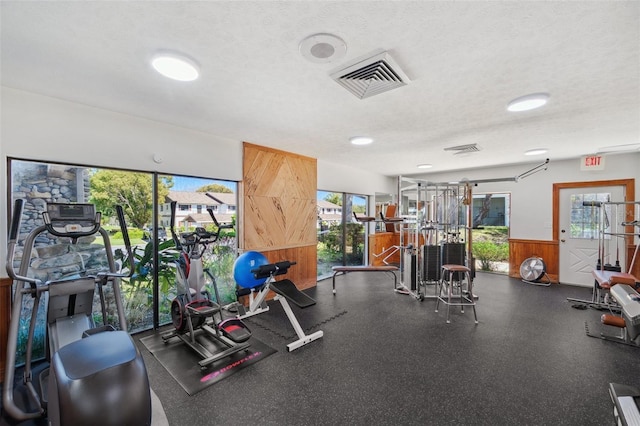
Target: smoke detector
[323, 48]
[371, 76]
[464, 149]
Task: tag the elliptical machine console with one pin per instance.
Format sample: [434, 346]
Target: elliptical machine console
[96, 375]
[71, 220]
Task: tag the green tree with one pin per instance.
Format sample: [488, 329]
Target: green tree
[215, 187]
[334, 198]
[132, 190]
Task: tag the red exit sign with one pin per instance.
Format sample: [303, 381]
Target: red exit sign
[592, 162]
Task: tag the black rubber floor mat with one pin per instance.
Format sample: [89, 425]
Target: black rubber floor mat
[182, 362]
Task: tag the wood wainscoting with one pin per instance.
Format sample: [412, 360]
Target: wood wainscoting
[378, 243]
[381, 246]
[305, 272]
[549, 251]
[5, 315]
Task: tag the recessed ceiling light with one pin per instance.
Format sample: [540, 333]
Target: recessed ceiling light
[536, 151]
[361, 140]
[323, 48]
[528, 102]
[425, 166]
[175, 66]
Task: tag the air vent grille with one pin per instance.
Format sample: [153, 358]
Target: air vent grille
[464, 149]
[371, 76]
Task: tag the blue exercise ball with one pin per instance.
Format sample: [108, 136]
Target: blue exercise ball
[243, 266]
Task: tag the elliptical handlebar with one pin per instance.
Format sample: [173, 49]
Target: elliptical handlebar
[13, 239]
[127, 244]
[172, 228]
[200, 236]
[18, 206]
[216, 223]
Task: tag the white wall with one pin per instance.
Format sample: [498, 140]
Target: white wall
[35, 127]
[339, 178]
[531, 197]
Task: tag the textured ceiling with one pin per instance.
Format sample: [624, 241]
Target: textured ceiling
[465, 60]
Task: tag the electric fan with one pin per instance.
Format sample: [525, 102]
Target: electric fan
[532, 270]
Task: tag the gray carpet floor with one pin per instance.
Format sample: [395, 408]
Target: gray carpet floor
[388, 359]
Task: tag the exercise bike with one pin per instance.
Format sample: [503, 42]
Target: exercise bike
[193, 312]
[96, 374]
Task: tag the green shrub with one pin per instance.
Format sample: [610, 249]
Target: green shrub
[488, 252]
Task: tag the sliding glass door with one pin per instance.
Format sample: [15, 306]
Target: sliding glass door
[341, 238]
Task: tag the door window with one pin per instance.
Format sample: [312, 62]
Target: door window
[587, 215]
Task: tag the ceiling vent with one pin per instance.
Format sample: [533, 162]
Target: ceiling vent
[376, 74]
[464, 149]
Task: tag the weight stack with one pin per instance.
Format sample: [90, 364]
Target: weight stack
[431, 263]
[453, 254]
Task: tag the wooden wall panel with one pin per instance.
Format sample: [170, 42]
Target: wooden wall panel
[519, 250]
[264, 223]
[302, 218]
[279, 199]
[5, 315]
[305, 272]
[302, 178]
[279, 209]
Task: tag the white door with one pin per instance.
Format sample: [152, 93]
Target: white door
[580, 223]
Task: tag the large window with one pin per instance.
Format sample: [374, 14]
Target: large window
[341, 239]
[146, 199]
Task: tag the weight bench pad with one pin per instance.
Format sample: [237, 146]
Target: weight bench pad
[288, 290]
[364, 268]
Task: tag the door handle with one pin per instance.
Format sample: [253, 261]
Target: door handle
[563, 241]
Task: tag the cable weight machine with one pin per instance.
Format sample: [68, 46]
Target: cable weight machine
[436, 230]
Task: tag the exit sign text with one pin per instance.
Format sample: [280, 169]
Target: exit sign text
[592, 162]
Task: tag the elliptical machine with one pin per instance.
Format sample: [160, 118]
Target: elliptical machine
[193, 312]
[96, 374]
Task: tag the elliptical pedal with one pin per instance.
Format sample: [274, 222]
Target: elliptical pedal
[204, 308]
[235, 329]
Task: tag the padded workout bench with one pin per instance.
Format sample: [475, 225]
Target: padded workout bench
[286, 291]
[390, 269]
